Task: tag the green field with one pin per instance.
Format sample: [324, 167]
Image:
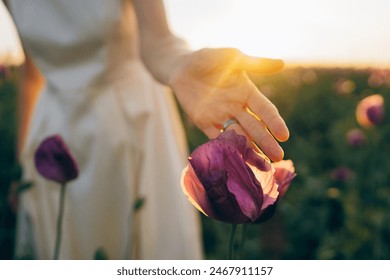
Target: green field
[338, 207]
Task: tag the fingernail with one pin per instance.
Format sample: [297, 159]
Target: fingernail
[277, 154]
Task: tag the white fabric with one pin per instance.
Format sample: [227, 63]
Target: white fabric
[11, 52]
[123, 129]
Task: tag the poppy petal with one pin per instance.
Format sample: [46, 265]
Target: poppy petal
[243, 184]
[195, 192]
[284, 174]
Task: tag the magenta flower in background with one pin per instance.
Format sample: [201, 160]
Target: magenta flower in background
[370, 111]
[375, 113]
[356, 138]
[341, 174]
[232, 183]
[54, 161]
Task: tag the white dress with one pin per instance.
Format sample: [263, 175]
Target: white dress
[123, 128]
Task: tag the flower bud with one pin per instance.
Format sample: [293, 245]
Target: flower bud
[54, 161]
[370, 111]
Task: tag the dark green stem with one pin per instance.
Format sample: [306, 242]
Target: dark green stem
[59, 222]
[231, 241]
[242, 241]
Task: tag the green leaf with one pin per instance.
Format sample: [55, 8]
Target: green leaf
[139, 203]
[100, 254]
[24, 186]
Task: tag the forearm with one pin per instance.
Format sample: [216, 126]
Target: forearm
[161, 51]
[165, 58]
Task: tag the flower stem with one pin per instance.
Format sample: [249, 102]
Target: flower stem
[59, 222]
[242, 241]
[231, 241]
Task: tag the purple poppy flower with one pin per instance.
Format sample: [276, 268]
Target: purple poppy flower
[356, 137]
[54, 161]
[375, 113]
[370, 110]
[341, 174]
[230, 182]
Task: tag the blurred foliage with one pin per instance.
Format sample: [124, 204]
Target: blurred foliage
[323, 215]
[9, 170]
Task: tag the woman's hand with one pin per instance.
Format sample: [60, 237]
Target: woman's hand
[212, 86]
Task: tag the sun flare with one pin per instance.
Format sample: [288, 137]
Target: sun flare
[303, 31]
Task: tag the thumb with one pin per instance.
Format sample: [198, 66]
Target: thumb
[260, 65]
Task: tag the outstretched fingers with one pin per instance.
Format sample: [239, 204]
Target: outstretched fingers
[267, 112]
[259, 65]
[259, 133]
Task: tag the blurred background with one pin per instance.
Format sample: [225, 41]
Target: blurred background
[337, 53]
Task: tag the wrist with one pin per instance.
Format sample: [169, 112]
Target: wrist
[164, 57]
[178, 68]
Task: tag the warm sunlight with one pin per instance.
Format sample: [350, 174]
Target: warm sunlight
[343, 32]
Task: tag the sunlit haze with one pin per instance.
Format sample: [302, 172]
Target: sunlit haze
[332, 32]
[341, 32]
